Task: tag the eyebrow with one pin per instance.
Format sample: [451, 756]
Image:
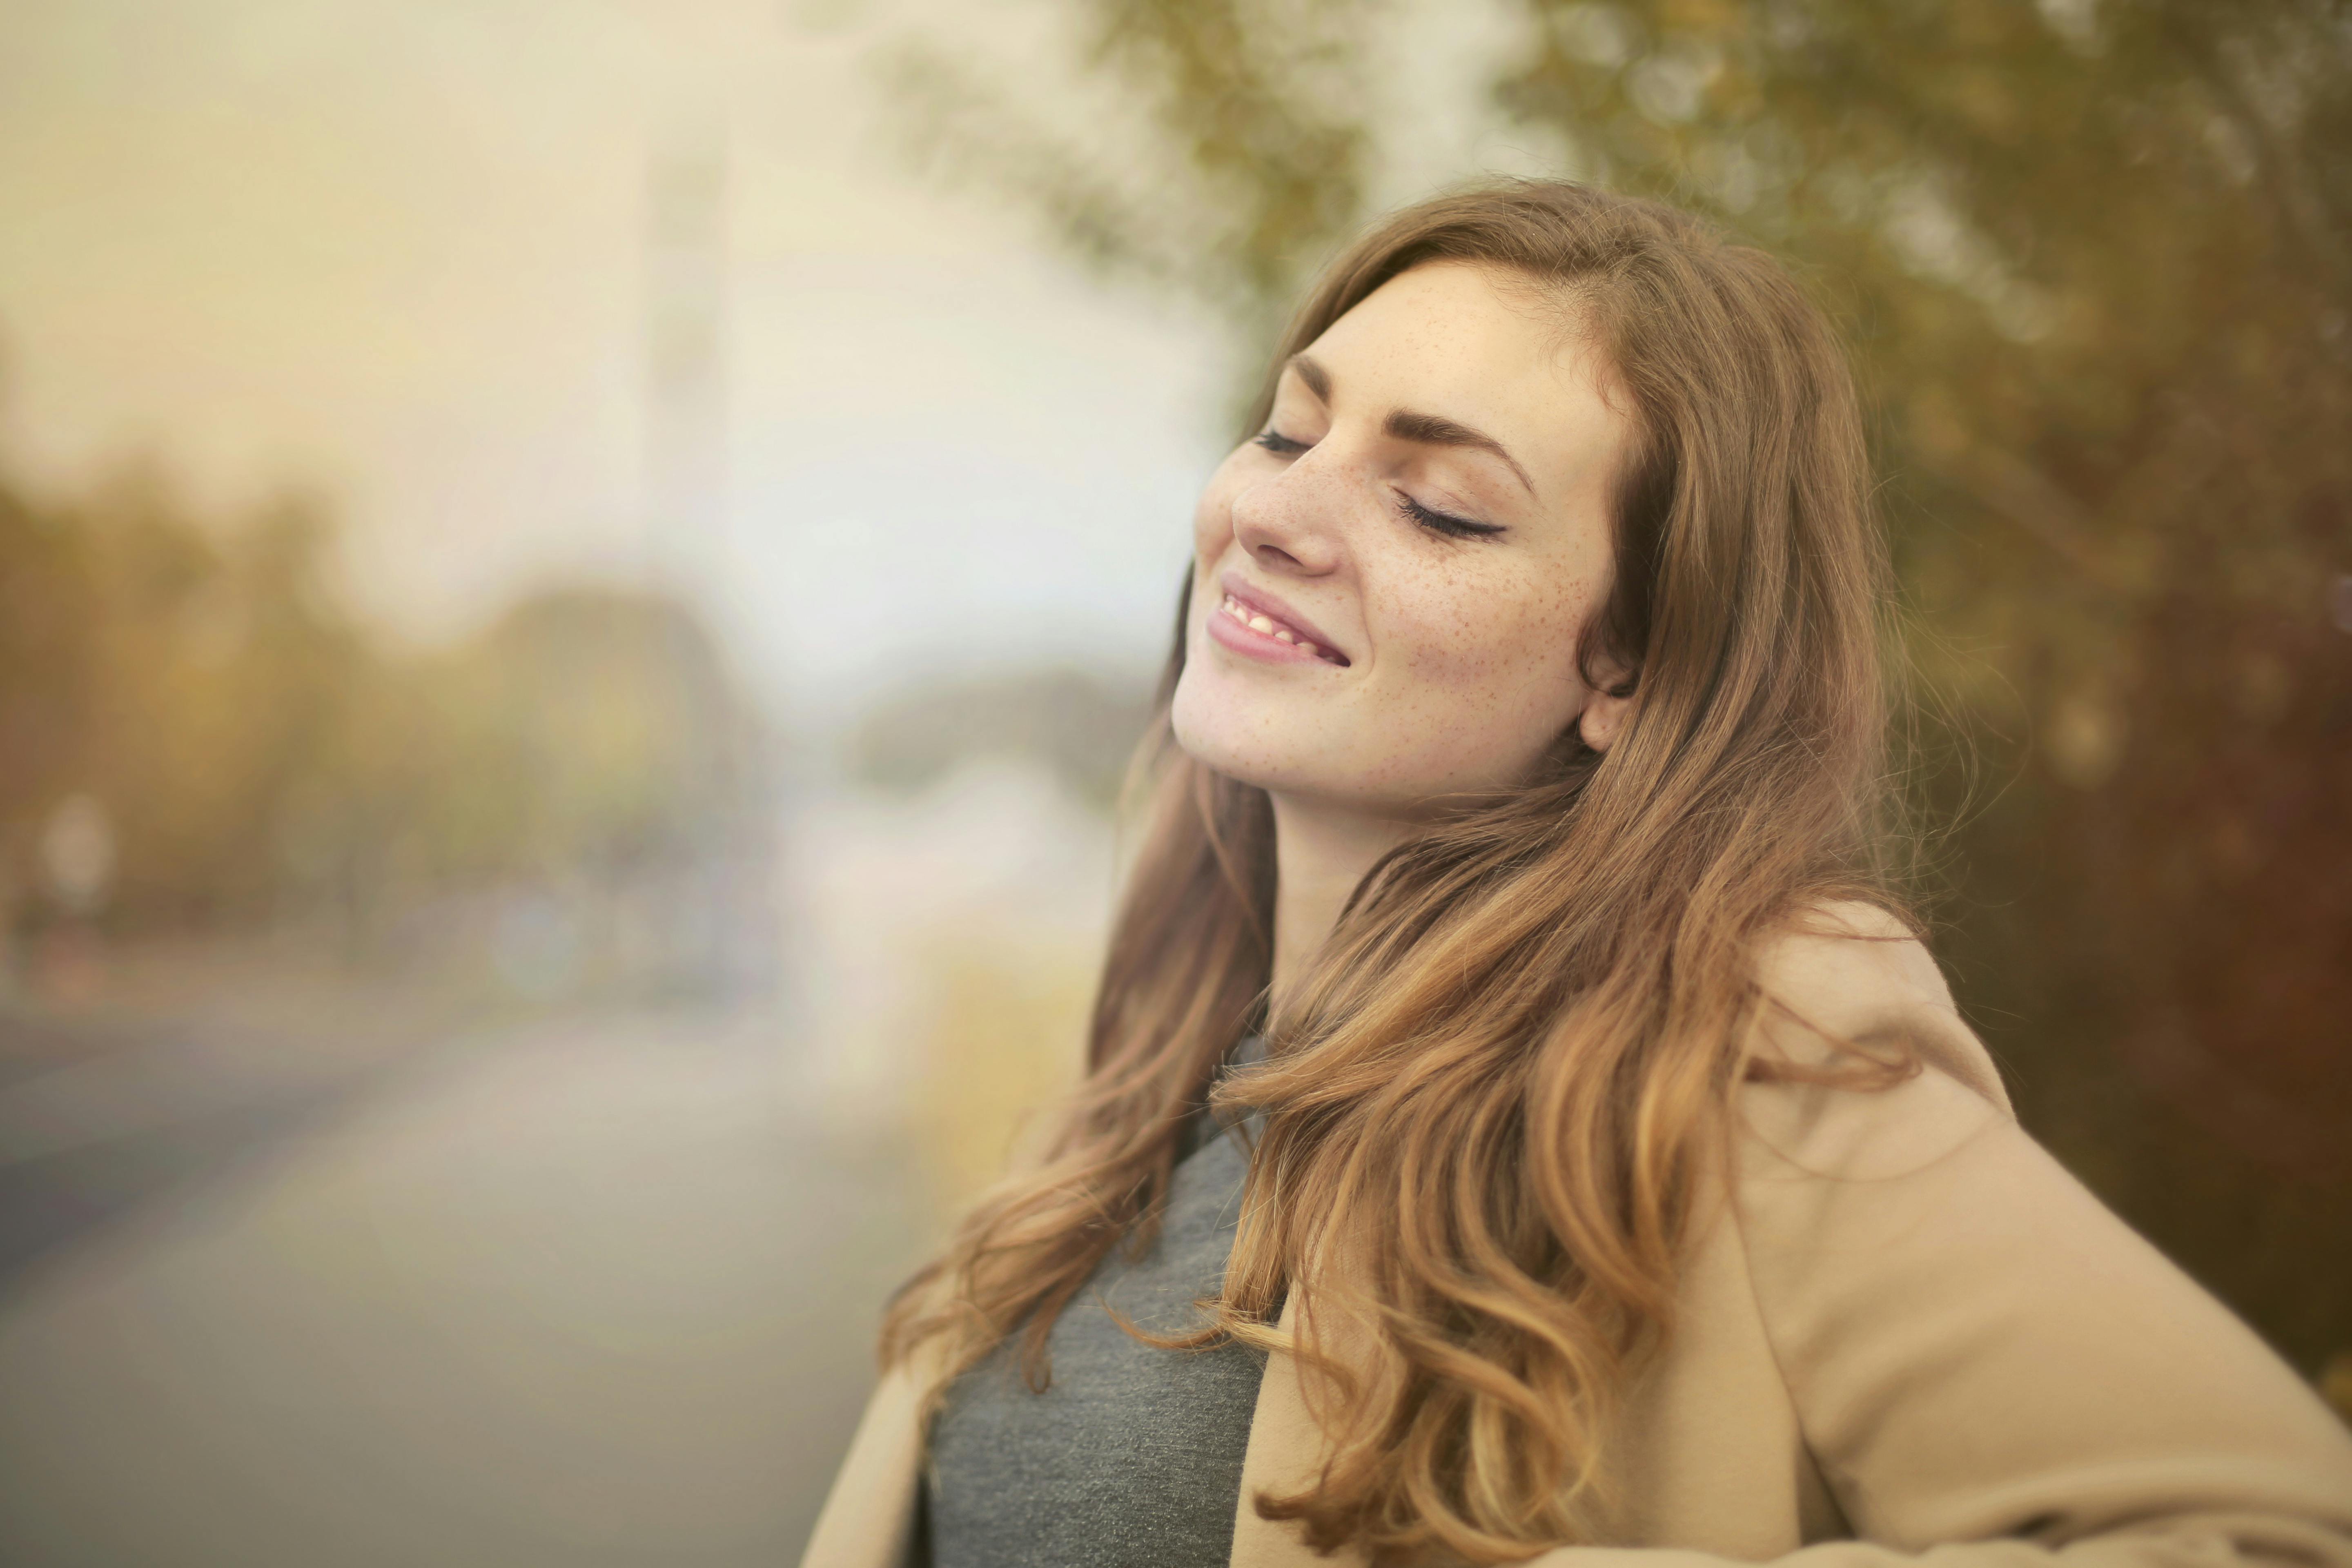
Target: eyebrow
[1424, 429]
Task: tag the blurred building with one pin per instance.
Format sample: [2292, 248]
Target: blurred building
[686, 410]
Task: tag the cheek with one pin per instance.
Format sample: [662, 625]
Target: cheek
[1501, 637]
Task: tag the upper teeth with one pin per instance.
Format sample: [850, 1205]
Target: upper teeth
[1265, 624]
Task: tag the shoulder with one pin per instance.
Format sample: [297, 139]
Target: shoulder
[1849, 983]
[1973, 1345]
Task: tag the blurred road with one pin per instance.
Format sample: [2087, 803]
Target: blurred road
[573, 1293]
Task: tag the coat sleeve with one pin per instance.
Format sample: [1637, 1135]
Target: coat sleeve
[871, 1518]
[1993, 1371]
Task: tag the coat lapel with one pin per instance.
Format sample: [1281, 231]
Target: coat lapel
[1285, 1450]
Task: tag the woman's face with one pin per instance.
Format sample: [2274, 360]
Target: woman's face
[1390, 581]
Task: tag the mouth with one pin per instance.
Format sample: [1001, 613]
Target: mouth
[1249, 626]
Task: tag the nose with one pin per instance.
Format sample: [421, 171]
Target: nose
[1290, 522]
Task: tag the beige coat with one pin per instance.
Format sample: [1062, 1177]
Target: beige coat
[1908, 1332]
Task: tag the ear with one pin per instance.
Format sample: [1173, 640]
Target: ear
[1606, 705]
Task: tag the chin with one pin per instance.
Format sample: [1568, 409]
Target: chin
[1307, 769]
[1208, 730]
[1223, 731]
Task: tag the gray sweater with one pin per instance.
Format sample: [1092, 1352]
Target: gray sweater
[1134, 1454]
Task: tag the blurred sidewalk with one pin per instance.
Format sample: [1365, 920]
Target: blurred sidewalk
[162, 1063]
[570, 1291]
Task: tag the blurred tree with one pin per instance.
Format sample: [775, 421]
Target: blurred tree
[1077, 724]
[46, 595]
[2096, 261]
[256, 758]
[1248, 157]
[189, 686]
[607, 732]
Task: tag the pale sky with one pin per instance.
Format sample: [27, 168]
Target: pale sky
[393, 248]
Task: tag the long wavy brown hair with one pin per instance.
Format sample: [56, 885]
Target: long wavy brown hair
[1489, 1102]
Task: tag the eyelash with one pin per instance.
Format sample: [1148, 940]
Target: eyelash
[1446, 524]
[1437, 522]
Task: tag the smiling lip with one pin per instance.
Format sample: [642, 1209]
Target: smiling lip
[1251, 621]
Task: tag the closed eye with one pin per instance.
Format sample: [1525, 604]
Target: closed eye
[1436, 522]
[1447, 523]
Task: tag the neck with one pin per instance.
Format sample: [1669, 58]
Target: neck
[1320, 853]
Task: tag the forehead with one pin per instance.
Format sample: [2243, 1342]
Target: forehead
[1486, 348]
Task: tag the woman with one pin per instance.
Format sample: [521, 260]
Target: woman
[1604, 1163]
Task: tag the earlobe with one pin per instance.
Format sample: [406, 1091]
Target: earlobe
[1609, 683]
[1603, 716]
